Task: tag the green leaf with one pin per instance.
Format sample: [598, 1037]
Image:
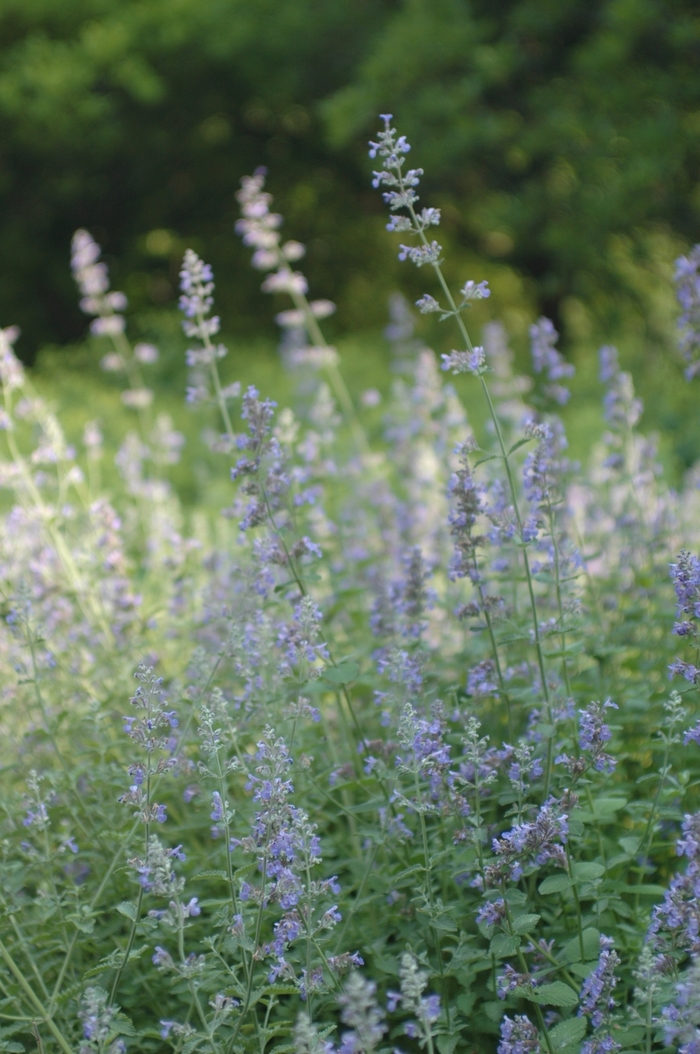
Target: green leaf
[587, 872]
[630, 1037]
[494, 1010]
[555, 994]
[212, 874]
[583, 970]
[520, 442]
[591, 947]
[342, 674]
[554, 884]
[644, 889]
[122, 1025]
[568, 1032]
[608, 805]
[483, 460]
[127, 908]
[465, 1002]
[446, 1044]
[630, 843]
[503, 945]
[525, 923]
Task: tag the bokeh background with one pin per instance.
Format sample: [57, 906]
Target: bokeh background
[560, 138]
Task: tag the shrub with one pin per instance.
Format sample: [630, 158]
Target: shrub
[401, 759]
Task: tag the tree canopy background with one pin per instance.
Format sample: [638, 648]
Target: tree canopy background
[561, 138]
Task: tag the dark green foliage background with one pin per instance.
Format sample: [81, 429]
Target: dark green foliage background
[548, 129]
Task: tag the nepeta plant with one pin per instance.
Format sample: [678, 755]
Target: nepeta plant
[403, 769]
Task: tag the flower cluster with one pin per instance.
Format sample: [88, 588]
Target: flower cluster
[597, 1002]
[594, 733]
[97, 1015]
[286, 848]
[546, 359]
[675, 922]
[518, 1036]
[681, 1020]
[537, 841]
[301, 640]
[687, 278]
[424, 1009]
[262, 469]
[150, 732]
[93, 281]
[259, 229]
[621, 408]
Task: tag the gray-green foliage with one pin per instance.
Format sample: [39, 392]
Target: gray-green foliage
[402, 763]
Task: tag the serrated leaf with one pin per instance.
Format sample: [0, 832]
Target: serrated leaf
[566, 1033]
[447, 1044]
[122, 1025]
[554, 884]
[493, 1010]
[465, 1002]
[591, 947]
[525, 923]
[630, 1037]
[212, 874]
[342, 674]
[519, 443]
[488, 457]
[443, 923]
[128, 909]
[630, 843]
[583, 970]
[503, 945]
[587, 872]
[555, 994]
[409, 871]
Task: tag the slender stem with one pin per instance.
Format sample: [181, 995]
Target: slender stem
[334, 375]
[35, 1001]
[509, 472]
[560, 602]
[494, 647]
[577, 902]
[256, 941]
[139, 900]
[429, 890]
[523, 966]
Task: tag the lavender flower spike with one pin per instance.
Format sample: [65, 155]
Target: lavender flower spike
[93, 282]
[687, 278]
[518, 1036]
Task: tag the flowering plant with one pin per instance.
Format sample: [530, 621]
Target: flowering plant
[402, 765]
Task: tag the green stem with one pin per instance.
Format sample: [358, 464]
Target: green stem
[139, 900]
[511, 482]
[522, 962]
[256, 941]
[35, 1001]
[429, 890]
[334, 375]
[577, 902]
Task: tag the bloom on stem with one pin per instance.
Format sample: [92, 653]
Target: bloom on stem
[93, 282]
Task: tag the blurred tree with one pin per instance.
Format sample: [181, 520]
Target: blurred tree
[548, 130]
